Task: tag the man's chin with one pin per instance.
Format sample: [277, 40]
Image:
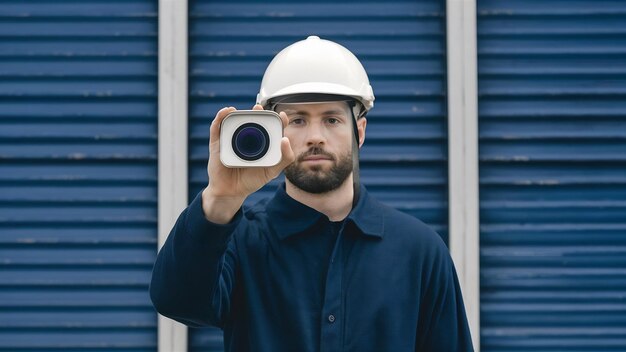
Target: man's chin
[319, 178]
[315, 183]
[310, 181]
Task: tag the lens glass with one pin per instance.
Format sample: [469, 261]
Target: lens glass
[250, 141]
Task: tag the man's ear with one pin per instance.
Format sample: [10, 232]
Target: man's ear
[360, 125]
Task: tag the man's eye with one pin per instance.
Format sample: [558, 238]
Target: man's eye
[296, 121]
[333, 121]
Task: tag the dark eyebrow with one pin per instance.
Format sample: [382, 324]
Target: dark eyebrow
[295, 112]
[334, 112]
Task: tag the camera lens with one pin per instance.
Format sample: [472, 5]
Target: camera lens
[251, 141]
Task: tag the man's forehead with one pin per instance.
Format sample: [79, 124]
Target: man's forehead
[334, 107]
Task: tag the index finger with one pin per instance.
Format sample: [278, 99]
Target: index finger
[214, 132]
[284, 118]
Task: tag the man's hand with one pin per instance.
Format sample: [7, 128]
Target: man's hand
[229, 187]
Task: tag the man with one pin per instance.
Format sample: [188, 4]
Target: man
[321, 266]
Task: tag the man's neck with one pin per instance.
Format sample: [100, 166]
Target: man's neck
[336, 204]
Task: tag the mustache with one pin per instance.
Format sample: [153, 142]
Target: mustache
[315, 151]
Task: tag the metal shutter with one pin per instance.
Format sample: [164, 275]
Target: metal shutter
[552, 107]
[78, 175]
[401, 44]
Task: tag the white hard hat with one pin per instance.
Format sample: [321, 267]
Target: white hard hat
[316, 66]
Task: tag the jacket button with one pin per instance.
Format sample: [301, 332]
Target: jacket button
[331, 318]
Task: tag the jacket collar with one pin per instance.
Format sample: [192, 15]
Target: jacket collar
[290, 217]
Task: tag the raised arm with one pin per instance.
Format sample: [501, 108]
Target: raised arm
[195, 270]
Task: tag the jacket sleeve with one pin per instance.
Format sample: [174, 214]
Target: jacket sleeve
[443, 323]
[194, 272]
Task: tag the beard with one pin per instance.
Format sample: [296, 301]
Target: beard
[314, 179]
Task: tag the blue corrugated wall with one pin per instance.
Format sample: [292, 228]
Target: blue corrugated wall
[552, 106]
[402, 46]
[78, 175]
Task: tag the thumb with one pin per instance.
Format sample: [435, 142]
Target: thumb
[288, 157]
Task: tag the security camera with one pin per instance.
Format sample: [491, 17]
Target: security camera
[251, 138]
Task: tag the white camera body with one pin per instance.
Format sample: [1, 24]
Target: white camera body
[251, 138]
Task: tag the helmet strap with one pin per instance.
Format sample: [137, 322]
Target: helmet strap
[355, 161]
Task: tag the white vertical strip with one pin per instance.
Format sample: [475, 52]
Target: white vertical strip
[172, 140]
[463, 154]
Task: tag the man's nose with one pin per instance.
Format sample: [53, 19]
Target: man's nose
[315, 135]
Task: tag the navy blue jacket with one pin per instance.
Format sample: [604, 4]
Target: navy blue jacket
[282, 277]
